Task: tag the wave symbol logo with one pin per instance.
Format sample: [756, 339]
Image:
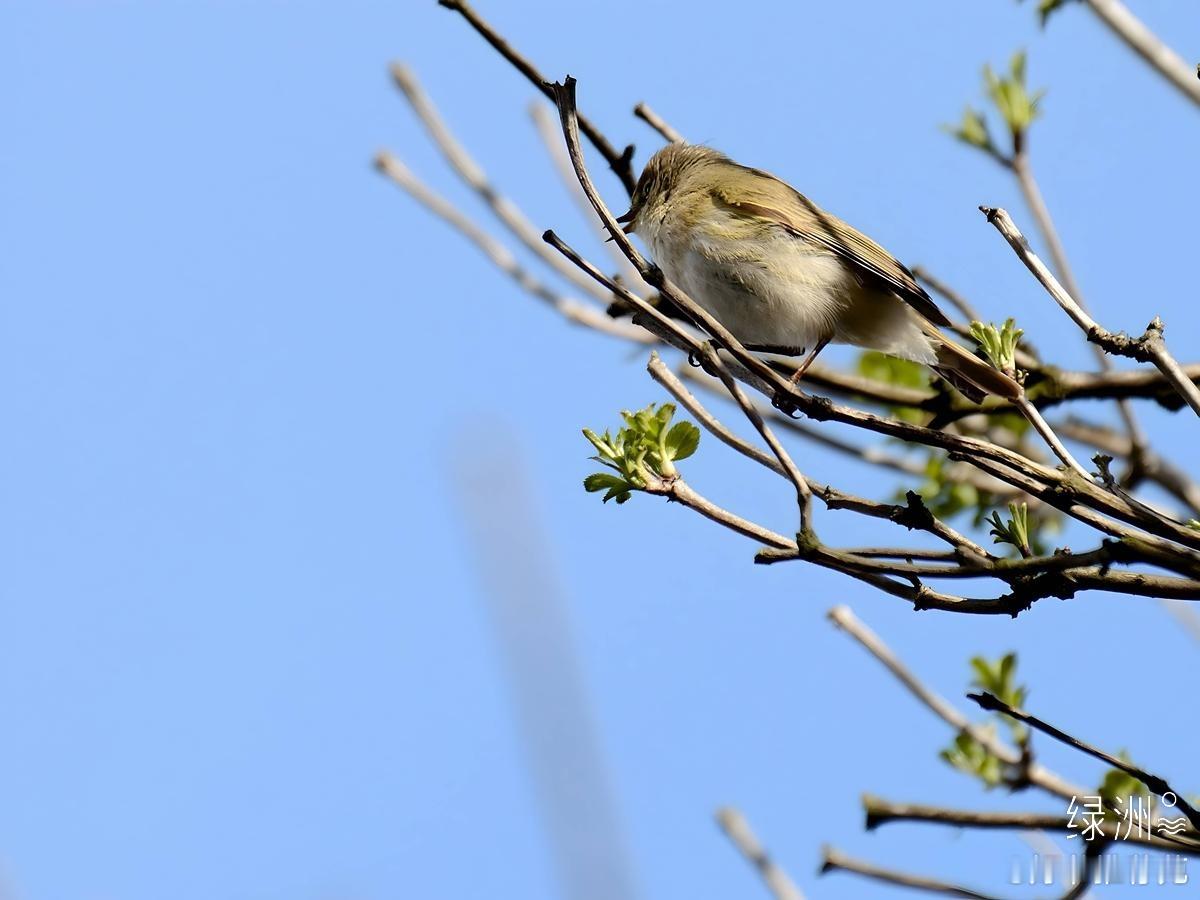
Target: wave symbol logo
[1172, 826]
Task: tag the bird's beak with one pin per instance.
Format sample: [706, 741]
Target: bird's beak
[627, 219]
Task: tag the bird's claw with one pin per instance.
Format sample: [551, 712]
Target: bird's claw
[785, 405]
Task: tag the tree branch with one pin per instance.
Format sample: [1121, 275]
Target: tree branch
[504, 209]
[1058, 255]
[621, 162]
[1146, 44]
[548, 131]
[833, 860]
[742, 836]
[1154, 783]
[659, 124]
[1035, 774]
[502, 257]
[881, 812]
[1148, 348]
[803, 493]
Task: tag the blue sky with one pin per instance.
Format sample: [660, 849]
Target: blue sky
[245, 647]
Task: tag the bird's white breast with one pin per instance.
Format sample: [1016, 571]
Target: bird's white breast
[769, 291]
[774, 290]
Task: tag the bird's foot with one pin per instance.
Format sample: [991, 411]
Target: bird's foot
[786, 404]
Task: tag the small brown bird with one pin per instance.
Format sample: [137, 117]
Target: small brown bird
[783, 275]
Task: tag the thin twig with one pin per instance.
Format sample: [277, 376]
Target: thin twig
[957, 300]
[546, 125]
[1153, 467]
[1148, 348]
[662, 373]
[1146, 44]
[833, 860]
[1042, 427]
[1032, 193]
[619, 162]
[742, 836]
[502, 257]
[1038, 775]
[803, 493]
[469, 170]
[881, 812]
[679, 491]
[871, 455]
[658, 123]
[1154, 783]
[912, 516]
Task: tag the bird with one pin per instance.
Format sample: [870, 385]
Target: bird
[786, 277]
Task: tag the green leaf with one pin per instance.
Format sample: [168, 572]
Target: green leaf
[969, 756]
[999, 678]
[1015, 531]
[682, 440]
[892, 370]
[602, 481]
[1011, 98]
[973, 130]
[1118, 786]
[615, 487]
[602, 444]
[1047, 8]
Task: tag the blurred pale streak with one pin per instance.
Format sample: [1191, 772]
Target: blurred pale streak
[529, 614]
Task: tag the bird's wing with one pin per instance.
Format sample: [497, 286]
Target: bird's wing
[807, 221]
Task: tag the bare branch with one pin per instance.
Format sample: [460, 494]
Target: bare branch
[1035, 774]
[912, 516]
[1058, 254]
[472, 173]
[621, 163]
[546, 125]
[803, 493]
[833, 860]
[742, 836]
[1146, 44]
[1152, 467]
[1154, 783]
[679, 491]
[1148, 348]
[502, 257]
[870, 455]
[1031, 414]
[662, 373]
[939, 287]
[659, 124]
[881, 812]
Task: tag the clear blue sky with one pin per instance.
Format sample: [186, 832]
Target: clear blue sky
[244, 650]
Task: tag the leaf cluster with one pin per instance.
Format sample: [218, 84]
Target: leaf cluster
[1000, 344]
[1014, 531]
[967, 754]
[646, 447]
[1017, 106]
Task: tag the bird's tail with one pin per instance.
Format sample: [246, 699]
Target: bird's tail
[968, 373]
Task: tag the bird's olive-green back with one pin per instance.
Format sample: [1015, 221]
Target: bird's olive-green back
[753, 192]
